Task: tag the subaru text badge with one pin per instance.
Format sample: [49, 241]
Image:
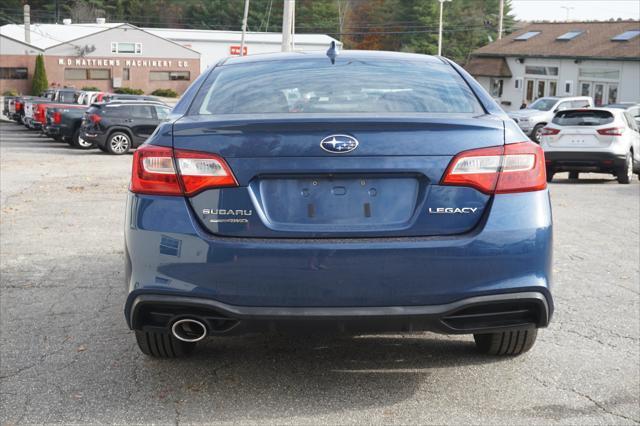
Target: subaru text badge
[339, 144]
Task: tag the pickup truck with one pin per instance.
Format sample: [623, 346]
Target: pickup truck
[30, 110]
[63, 124]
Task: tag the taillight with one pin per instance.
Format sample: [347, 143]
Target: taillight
[518, 167]
[57, 117]
[18, 106]
[154, 171]
[94, 118]
[547, 131]
[611, 131]
[40, 114]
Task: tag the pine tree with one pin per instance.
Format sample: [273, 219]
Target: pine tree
[39, 83]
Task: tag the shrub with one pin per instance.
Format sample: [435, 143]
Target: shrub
[10, 92]
[128, 91]
[39, 83]
[165, 93]
[90, 89]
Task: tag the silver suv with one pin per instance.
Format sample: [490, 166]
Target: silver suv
[534, 117]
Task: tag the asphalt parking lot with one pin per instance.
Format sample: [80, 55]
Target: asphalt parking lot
[67, 356]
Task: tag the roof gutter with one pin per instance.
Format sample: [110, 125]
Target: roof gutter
[595, 58]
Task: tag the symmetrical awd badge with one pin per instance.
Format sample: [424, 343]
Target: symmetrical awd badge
[339, 144]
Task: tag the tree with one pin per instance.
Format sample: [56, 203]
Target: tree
[39, 83]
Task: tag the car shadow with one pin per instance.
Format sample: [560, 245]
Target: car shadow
[271, 376]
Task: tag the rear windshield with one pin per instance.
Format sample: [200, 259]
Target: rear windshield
[67, 97]
[350, 86]
[583, 118]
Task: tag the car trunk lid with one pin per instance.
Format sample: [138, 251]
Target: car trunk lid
[289, 186]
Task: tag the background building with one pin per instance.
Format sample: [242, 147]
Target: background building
[598, 59]
[113, 55]
[215, 45]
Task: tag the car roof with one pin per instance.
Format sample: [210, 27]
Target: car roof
[614, 111]
[343, 56]
[131, 102]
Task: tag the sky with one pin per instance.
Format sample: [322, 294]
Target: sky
[552, 10]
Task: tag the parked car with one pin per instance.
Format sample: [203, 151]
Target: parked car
[117, 126]
[633, 108]
[63, 124]
[29, 118]
[66, 96]
[393, 195]
[601, 140]
[5, 106]
[17, 107]
[534, 117]
[89, 97]
[108, 97]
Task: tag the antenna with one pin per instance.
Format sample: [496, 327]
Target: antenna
[333, 51]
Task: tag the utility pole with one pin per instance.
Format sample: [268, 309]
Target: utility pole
[501, 19]
[287, 24]
[440, 30]
[568, 9]
[244, 26]
[26, 16]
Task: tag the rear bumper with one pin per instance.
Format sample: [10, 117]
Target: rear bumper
[168, 253]
[52, 130]
[584, 161]
[482, 314]
[32, 124]
[94, 137]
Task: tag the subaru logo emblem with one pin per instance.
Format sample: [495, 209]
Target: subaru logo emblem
[339, 144]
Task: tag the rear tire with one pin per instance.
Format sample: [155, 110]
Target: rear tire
[625, 173]
[550, 174]
[80, 143]
[574, 175]
[118, 143]
[162, 345]
[536, 133]
[506, 343]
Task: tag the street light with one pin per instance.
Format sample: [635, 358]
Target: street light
[440, 31]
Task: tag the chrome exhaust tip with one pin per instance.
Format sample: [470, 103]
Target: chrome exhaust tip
[189, 330]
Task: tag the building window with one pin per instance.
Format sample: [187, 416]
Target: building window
[600, 73]
[540, 70]
[90, 74]
[613, 93]
[496, 87]
[13, 73]
[126, 74]
[169, 75]
[99, 74]
[75, 74]
[568, 87]
[135, 48]
[553, 88]
[518, 84]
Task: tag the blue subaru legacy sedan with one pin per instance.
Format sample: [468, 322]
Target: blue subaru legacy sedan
[359, 192]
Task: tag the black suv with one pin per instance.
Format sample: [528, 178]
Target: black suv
[117, 126]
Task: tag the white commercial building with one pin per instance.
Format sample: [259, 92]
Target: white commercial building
[216, 45]
[597, 59]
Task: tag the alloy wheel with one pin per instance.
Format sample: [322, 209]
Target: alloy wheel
[119, 144]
